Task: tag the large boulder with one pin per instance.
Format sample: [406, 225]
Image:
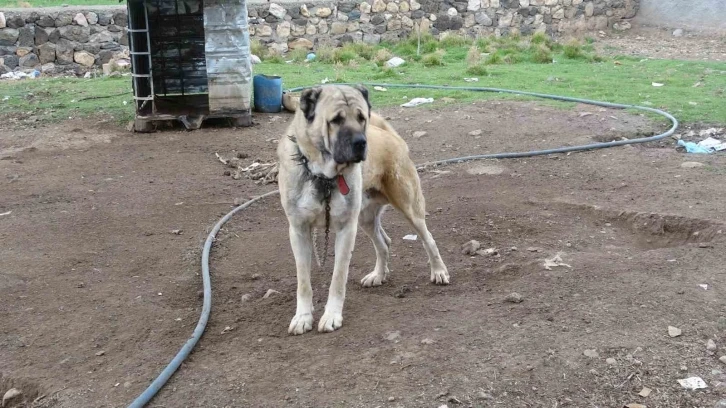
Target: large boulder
[75, 33]
[8, 36]
[46, 53]
[84, 58]
[26, 36]
[29, 61]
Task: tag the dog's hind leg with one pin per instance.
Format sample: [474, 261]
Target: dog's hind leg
[370, 220]
[301, 242]
[405, 195]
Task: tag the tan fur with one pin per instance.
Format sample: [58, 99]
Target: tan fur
[387, 176]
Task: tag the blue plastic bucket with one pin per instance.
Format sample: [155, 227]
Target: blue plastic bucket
[267, 93]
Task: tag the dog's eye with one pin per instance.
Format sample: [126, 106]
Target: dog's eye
[338, 120]
[361, 117]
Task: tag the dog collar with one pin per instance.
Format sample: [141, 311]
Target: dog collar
[321, 183]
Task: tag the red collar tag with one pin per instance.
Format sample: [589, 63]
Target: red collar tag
[343, 186]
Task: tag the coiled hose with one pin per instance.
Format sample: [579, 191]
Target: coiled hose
[159, 382]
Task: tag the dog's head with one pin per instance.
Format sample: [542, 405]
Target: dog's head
[336, 118]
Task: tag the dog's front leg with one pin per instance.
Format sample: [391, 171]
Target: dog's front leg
[344, 242]
[301, 241]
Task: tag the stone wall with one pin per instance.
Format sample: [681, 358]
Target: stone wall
[281, 26]
[78, 39]
[61, 40]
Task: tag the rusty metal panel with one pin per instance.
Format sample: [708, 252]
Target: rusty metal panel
[227, 46]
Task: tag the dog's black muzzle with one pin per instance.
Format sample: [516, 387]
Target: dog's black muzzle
[351, 146]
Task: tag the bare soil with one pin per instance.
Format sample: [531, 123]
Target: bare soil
[653, 42]
[98, 293]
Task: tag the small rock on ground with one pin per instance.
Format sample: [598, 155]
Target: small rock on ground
[611, 361]
[419, 134]
[470, 247]
[722, 359]
[10, 395]
[678, 32]
[691, 165]
[475, 132]
[674, 331]
[592, 353]
[711, 345]
[269, 293]
[394, 335]
[514, 297]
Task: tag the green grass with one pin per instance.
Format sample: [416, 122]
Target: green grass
[535, 64]
[57, 3]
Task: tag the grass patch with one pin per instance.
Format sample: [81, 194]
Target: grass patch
[523, 63]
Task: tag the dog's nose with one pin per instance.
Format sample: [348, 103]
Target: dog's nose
[359, 143]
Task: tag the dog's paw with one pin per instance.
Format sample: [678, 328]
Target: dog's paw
[373, 279]
[330, 322]
[440, 276]
[301, 324]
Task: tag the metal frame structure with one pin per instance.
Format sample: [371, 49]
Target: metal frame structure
[190, 61]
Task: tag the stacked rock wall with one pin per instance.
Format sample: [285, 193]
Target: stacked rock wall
[77, 39]
[58, 40]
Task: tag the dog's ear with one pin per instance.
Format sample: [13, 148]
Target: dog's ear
[363, 90]
[308, 100]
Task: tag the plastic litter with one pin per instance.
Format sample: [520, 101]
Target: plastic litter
[657, 84]
[706, 146]
[311, 56]
[417, 101]
[410, 237]
[693, 383]
[20, 75]
[395, 62]
[471, 79]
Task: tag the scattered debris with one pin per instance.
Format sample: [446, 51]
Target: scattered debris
[584, 114]
[325, 81]
[411, 237]
[692, 383]
[393, 335]
[703, 286]
[635, 405]
[10, 395]
[711, 345]
[475, 132]
[611, 361]
[419, 134]
[645, 392]
[706, 146]
[227, 329]
[591, 353]
[470, 247]
[6, 213]
[100, 353]
[534, 249]
[657, 84]
[254, 59]
[514, 297]
[391, 399]
[177, 232]
[269, 293]
[471, 79]
[15, 75]
[678, 32]
[223, 161]
[416, 102]
[380, 89]
[691, 165]
[427, 341]
[395, 62]
[246, 297]
[674, 331]
[488, 252]
[554, 262]
[722, 359]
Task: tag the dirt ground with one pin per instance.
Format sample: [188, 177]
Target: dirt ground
[98, 293]
[653, 42]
